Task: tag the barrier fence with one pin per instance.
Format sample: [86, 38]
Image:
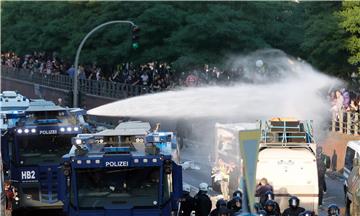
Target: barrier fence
[346, 122]
[93, 87]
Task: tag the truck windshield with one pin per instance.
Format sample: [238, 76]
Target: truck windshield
[108, 188]
[35, 150]
[49, 118]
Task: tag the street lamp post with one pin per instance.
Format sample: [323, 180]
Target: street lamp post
[75, 81]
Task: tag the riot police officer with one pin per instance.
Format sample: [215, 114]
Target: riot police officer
[270, 208]
[261, 213]
[236, 205]
[294, 209]
[333, 210]
[232, 203]
[220, 204]
[202, 201]
[269, 195]
[307, 213]
[187, 202]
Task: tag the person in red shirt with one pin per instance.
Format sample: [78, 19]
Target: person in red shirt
[10, 197]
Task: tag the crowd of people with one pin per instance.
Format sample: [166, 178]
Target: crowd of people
[267, 206]
[343, 100]
[154, 76]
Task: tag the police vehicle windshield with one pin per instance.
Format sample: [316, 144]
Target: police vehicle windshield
[58, 117]
[35, 150]
[106, 188]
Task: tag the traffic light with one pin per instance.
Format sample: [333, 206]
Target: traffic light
[135, 37]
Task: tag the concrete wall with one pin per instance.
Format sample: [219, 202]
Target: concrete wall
[336, 143]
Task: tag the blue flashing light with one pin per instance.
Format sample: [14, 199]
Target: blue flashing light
[47, 121]
[159, 138]
[117, 149]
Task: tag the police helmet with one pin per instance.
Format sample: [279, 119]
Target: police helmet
[220, 203]
[203, 187]
[269, 206]
[237, 193]
[262, 213]
[294, 202]
[237, 199]
[333, 210]
[307, 213]
[269, 195]
[186, 188]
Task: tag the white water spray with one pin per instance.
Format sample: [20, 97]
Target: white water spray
[283, 87]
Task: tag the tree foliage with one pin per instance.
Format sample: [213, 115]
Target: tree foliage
[185, 33]
[350, 15]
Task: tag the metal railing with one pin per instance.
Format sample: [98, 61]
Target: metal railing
[93, 87]
[346, 122]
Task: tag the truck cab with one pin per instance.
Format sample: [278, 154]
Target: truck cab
[121, 171]
[37, 143]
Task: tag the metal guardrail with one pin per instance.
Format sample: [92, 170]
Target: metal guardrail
[346, 122]
[93, 87]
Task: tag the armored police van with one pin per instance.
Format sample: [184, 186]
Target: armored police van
[121, 171]
[39, 140]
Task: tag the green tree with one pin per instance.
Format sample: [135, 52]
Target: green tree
[324, 46]
[350, 15]
[184, 33]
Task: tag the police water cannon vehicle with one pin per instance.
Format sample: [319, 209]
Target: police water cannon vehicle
[12, 106]
[121, 171]
[287, 159]
[39, 140]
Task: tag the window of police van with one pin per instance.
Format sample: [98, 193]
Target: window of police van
[349, 158]
[98, 188]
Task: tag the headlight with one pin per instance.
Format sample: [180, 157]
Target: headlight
[69, 129]
[33, 130]
[26, 130]
[62, 129]
[19, 131]
[76, 129]
[78, 141]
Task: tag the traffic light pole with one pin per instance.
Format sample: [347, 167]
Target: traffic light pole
[75, 78]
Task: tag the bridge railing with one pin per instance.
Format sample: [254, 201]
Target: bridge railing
[93, 87]
[346, 122]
